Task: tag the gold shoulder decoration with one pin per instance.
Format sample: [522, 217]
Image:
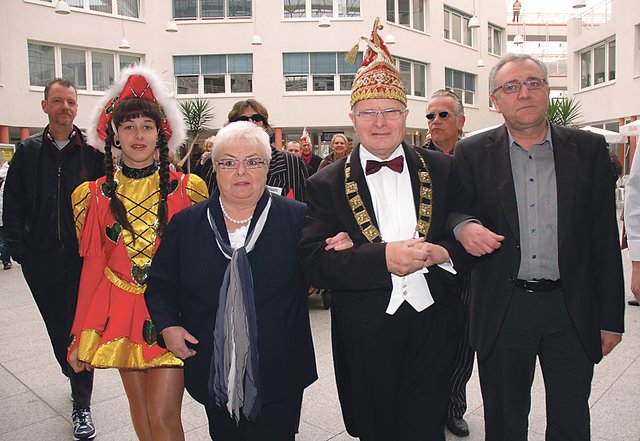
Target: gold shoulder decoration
[80, 202]
[361, 215]
[196, 189]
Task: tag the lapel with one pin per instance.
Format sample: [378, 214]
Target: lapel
[359, 178]
[497, 150]
[565, 155]
[413, 165]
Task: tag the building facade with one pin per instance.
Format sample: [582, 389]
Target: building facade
[287, 54]
[604, 67]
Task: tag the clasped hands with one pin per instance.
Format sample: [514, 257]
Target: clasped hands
[403, 257]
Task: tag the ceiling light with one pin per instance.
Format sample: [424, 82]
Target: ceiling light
[62, 8]
[579, 3]
[171, 26]
[390, 39]
[480, 63]
[518, 39]
[124, 44]
[474, 22]
[324, 22]
[256, 40]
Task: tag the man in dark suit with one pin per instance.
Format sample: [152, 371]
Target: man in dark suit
[445, 117]
[553, 287]
[394, 335]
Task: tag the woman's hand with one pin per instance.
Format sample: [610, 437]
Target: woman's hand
[77, 364]
[175, 338]
[339, 242]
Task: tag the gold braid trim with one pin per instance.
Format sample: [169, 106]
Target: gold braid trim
[123, 284]
[361, 215]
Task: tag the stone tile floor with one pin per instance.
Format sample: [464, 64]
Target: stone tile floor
[35, 402]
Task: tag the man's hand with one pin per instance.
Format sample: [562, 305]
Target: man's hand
[339, 242]
[436, 254]
[479, 240]
[609, 341]
[175, 338]
[635, 279]
[406, 256]
[77, 364]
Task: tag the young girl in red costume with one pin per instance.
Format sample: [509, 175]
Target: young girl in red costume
[120, 219]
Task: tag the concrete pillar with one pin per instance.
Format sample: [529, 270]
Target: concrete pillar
[4, 134]
[24, 133]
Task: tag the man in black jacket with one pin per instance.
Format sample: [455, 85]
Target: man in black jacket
[39, 226]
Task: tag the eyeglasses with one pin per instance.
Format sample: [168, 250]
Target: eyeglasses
[233, 164]
[387, 114]
[515, 86]
[256, 117]
[432, 115]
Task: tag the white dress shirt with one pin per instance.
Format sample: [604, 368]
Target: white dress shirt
[392, 199]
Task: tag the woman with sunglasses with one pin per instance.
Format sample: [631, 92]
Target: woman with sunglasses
[287, 173]
[120, 219]
[227, 295]
[338, 150]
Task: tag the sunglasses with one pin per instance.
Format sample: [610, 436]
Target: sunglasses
[432, 115]
[256, 117]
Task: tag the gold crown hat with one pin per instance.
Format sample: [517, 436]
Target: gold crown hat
[137, 81]
[377, 76]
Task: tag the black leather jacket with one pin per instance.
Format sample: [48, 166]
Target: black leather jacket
[37, 199]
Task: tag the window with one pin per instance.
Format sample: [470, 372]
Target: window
[456, 27]
[213, 74]
[598, 64]
[410, 13]
[205, 9]
[462, 84]
[495, 40]
[414, 75]
[89, 70]
[318, 71]
[125, 8]
[318, 8]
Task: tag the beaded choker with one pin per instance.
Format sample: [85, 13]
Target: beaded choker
[139, 173]
[232, 220]
[361, 214]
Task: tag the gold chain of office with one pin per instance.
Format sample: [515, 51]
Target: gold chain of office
[361, 214]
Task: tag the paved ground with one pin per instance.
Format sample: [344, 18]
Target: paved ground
[35, 401]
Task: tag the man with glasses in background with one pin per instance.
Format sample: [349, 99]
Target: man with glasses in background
[554, 289]
[445, 118]
[394, 334]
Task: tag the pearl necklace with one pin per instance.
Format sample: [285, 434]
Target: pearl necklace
[232, 220]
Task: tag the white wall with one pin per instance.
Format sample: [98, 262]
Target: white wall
[33, 20]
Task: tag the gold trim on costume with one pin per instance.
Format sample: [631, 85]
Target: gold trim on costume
[123, 284]
[361, 215]
[120, 353]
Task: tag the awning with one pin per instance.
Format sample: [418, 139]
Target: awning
[609, 136]
[631, 129]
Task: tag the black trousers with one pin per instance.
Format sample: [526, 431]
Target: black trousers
[277, 422]
[53, 279]
[394, 385]
[463, 364]
[537, 325]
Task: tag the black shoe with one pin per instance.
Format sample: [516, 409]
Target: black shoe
[632, 302]
[458, 426]
[83, 427]
[7, 265]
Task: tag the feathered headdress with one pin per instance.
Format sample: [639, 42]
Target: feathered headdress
[138, 81]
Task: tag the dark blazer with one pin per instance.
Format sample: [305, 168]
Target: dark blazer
[183, 288]
[588, 245]
[363, 269]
